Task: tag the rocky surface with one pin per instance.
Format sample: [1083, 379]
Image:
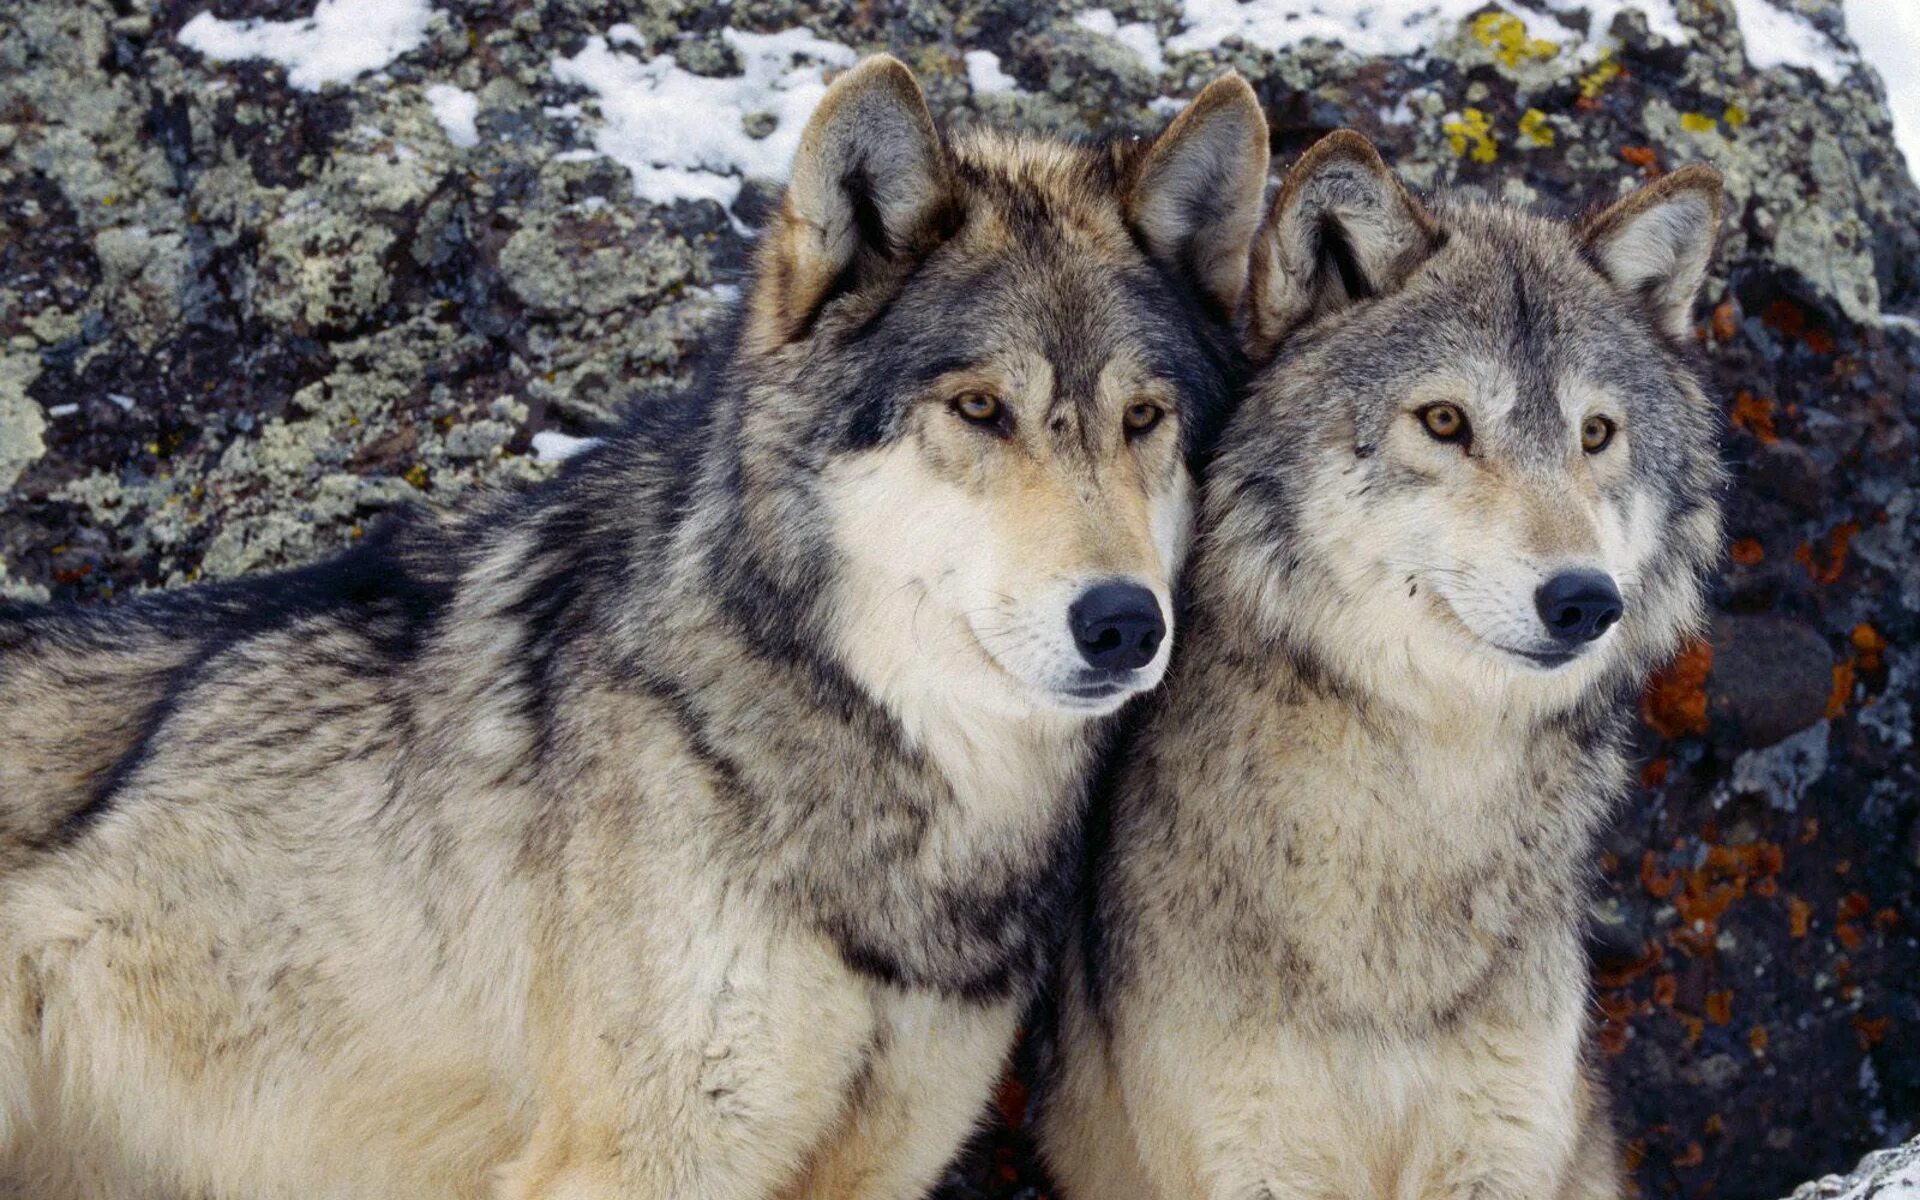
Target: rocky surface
[240, 318]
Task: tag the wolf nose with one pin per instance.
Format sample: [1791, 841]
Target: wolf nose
[1578, 606]
[1117, 626]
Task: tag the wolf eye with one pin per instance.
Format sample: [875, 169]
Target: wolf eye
[979, 408]
[1595, 434]
[1141, 417]
[1444, 422]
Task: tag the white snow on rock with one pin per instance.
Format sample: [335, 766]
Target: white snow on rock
[1775, 37]
[456, 111]
[1139, 36]
[1888, 34]
[341, 41]
[684, 136]
[984, 75]
[1883, 1175]
[1396, 28]
[550, 445]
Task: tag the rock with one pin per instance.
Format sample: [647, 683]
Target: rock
[21, 422]
[1771, 677]
[1882, 1175]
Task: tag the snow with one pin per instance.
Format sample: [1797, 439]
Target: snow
[456, 111]
[341, 41]
[1140, 36]
[1888, 34]
[984, 75]
[553, 446]
[683, 136]
[1775, 37]
[1397, 28]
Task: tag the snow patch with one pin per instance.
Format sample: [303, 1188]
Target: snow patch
[1888, 35]
[984, 75]
[685, 136]
[456, 111]
[1138, 36]
[341, 41]
[1775, 37]
[552, 446]
[1398, 28]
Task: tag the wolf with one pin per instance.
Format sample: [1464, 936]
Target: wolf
[1334, 941]
[697, 824]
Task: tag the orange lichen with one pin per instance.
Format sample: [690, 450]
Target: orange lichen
[1643, 157]
[1868, 646]
[1666, 988]
[1726, 320]
[1872, 1030]
[1799, 916]
[1658, 884]
[1757, 1039]
[1842, 690]
[1839, 541]
[1655, 772]
[1619, 977]
[1612, 1039]
[1748, 552]
[1755, 415]
[1675, 702]
[1720, 1007]
[1692, 1156]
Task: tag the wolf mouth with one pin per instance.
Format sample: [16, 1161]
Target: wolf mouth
[1548, 659]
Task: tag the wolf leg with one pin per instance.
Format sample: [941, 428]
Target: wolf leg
[1596, 1172]
[925, 1089]
[1509, 1111]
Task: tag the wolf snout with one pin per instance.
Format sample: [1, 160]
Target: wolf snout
[1578, 606]
[1117, 626]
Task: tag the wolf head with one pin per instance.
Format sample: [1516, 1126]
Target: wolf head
[976, 373]
[1481, 464]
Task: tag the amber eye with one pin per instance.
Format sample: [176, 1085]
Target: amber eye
[980, 408]
[1595, 434]
[1445, 422]
[1141, 417]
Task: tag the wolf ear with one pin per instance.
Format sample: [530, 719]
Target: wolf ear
[870, 178]
[1658, 242]
[1342, 229]
[1195, 196]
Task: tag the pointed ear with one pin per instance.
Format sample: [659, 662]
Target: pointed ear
[870, 179]
[1195, 196]
[1658, 242]
[1342, 229]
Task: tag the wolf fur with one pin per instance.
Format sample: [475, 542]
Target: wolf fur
[1335, 943]
[694, 826]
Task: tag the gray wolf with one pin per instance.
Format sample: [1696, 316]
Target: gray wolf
[1335, 943]
[696, 825]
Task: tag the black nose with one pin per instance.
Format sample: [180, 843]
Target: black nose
[1117, 626]
[1578, 606]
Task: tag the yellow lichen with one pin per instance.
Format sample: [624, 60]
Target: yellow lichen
[1604, 72]
[1735, 116]
[1506, 35]
[1534, 127]
[1694, 122]
[1471, 135]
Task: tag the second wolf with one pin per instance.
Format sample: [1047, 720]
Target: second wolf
[1335, 944]
[693, 827]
